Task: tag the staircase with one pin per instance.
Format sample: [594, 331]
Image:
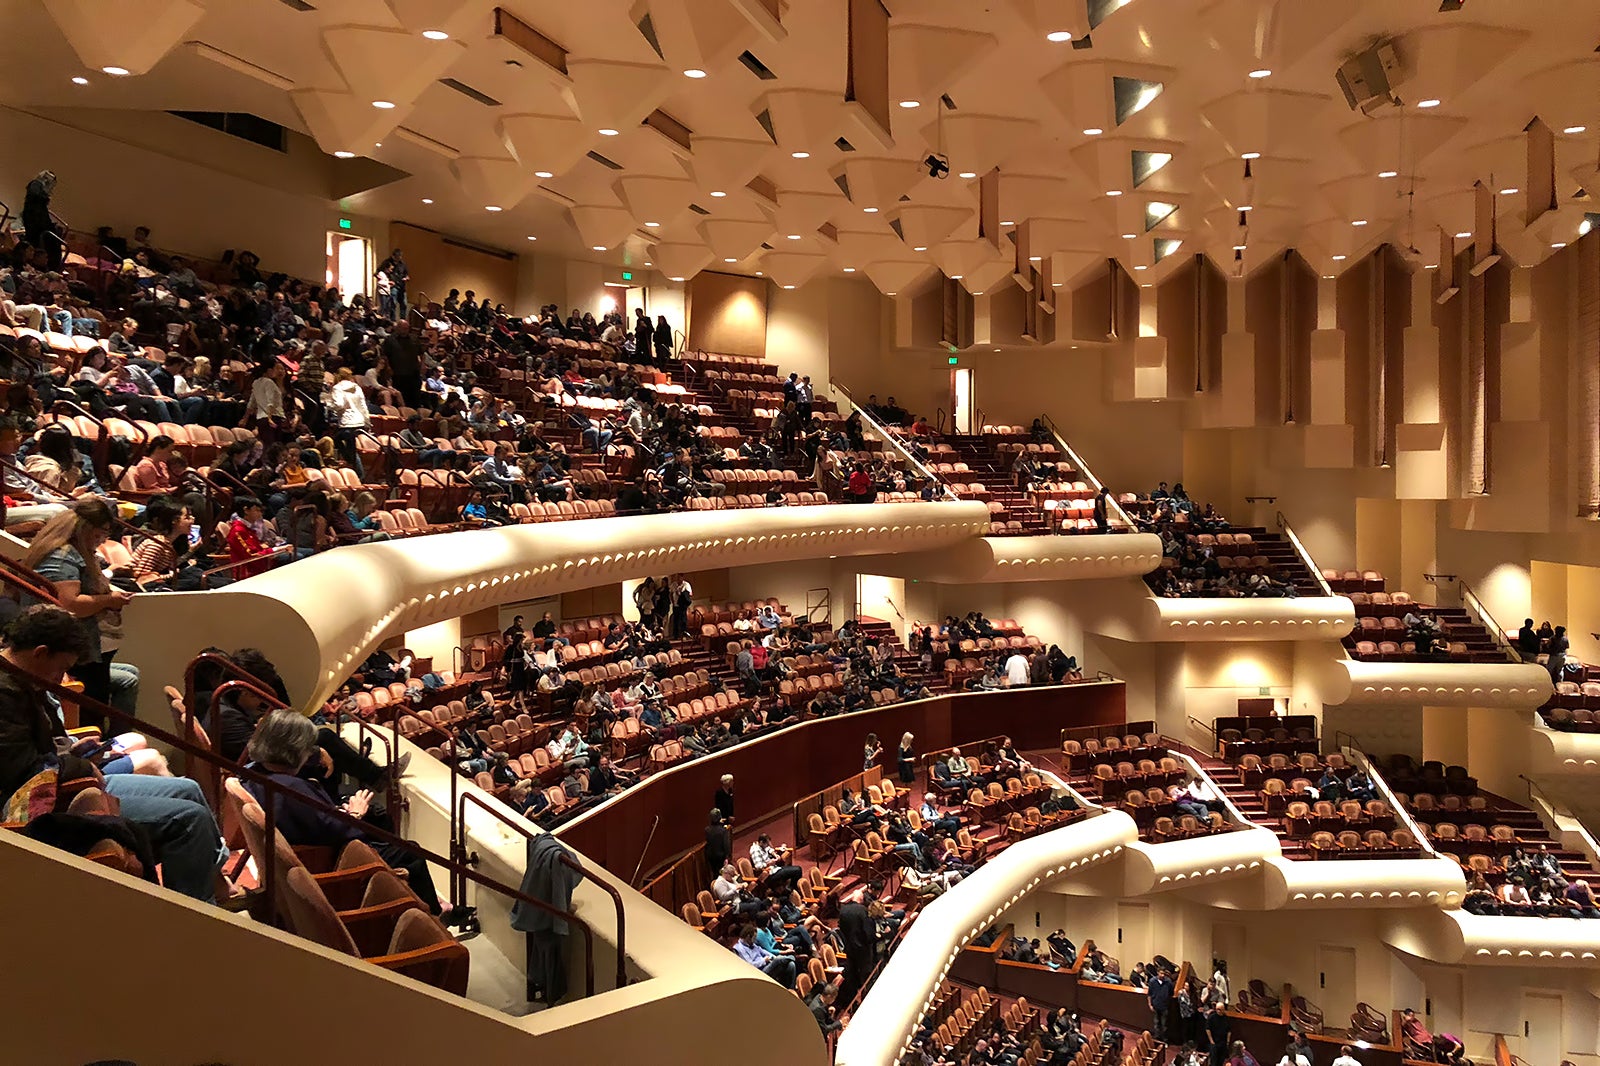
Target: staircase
[909, 665]
[1248, 801]
[1286, 563]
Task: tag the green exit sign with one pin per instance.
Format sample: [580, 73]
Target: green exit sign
[954, 360]
[627, 275]
[345, 223]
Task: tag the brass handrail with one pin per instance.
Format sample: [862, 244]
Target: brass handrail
[1305, 556]
[1480, 613]
[1089, 475]
[890, 439]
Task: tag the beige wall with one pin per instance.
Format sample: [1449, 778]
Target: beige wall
[438, 264]
[728, 314]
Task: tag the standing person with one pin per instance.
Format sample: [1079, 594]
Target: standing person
[804, 397]
[1017, 671]
[1528, 642]
[395, 267]
[63, 553]
[873, 749]
[663, 340]
[682, 597]
[719, 841]
[404, 354]
[1558, 653]
[643, 336]
[906, 759]
[858, 933]
[39, 229]
[265, 411]
[350, 403]
[1159, 992]
[1102, 511]
[1217, 1030]
[723, 800]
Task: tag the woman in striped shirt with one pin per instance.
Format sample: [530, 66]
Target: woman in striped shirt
[159, 557]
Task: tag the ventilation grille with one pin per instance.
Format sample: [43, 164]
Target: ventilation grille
[756, 67]
[468, 91]
[697, 209]
[298, 5]
[603, 161]
[844, 145]
[250, 128]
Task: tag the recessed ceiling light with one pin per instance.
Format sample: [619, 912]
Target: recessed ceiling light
[1141, 266]
[652, 225]
[1093, 131]
[1509, 192]
[1113, 192]
[426, 200]
[909, 104]
[718, 193]
[1431, 266]
[1359, 222]
[1008, 223]
[599, 247]
[1463, 235]
[1388, 173]
[870, 210]
[1247, 207]
[1057, 284]
[436, 35]
[1260, 72]
[1238, 247]
[730, 259]
[1427, 103]
[788, 286]
[649, 264]
[80, 81]
[955, 277]
[694, 72]
[674, 279]
[115, 72]
[849, 270]
[383, 105]
[1035, 258]
[1058, 36]
[799, 155]
[532, 238]
[493, 207]
[607, 132]
[1249, 155]
[543, 174]
[344, 155]
[1339, 258]
[890, 294]
[1575, 129]
[980, 293]
[378, 145]
[1129, 236]
[920, 248]
[794, 236]
[967, 174]
[1559, 244]
[1328, 277]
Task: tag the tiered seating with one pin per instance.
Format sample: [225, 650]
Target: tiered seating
[1380, 635]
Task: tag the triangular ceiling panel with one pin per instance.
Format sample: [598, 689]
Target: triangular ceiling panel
[654, 199]
[1397, 140]
[496, 182]
[723, 163]
[132, 34]
[979, 143]
[699, 34]
[924, 225]
[617, 96]
[876, 181]
[734, 238]
[804, 120]
[1444, 61]
[1261, 120]
[602, 227]
[804, 212]
[792, 269]
[340, 122]
[549, 143]
[896, 276]
[925, 61]
[392, 65]
[680, 260]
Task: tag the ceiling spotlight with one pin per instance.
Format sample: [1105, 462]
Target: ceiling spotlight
[730, 259]
[80, 81]
[1584, 227]
[426, 200]
[649, 264]
[1113, 192]
[1249, 155]
[115, 72]
[718, 193]
[383, 105]
[1238, 247]
[1575, 129]
[1141, 266]
[1359, 222]
[920, 248]
[674, 279]
[794, 236]
[1252, 207]
[492, 207]
[909, 104]
[1058, 36]
[532, 238]
[788, 286]
[1129, 236]
[1559, 244]
[869, 210]
[955, 277]
[543, 174]
[599, 247]
[436, 35]
[1427, 103]
[652, 225]
[694, 72]
[1035, 258]
[1509, 192]
[1388, 173]
[849, 270]
[1260, 73]
[1008, 223]
[607, 132]
[1093, 131]
[350, 155]
[1431, 266]
[1463, 235]
[891, 294]
[799, 155]
[1339, 258]
[967, 174]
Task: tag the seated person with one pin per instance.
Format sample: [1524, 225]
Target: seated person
[772, 864]
[729, 892]
[780, 968]
[283, 743]
[961, 772]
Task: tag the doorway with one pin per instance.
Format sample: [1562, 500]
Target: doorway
[350, 264]
[1542, 1036]
[1133, 933]
[1336, 980]
[962, 401]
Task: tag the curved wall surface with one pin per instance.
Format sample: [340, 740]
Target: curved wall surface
[1514, 685]
[1076, 557]
[319, 618]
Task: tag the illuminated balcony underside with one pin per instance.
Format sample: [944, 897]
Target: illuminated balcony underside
[1076, 557]
[1513, 685]
[1552, 751]
[1304, 618]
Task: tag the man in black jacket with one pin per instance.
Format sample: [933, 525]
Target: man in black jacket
[1216, 1032]
[405, 361]
[719, 841]
[859, 934]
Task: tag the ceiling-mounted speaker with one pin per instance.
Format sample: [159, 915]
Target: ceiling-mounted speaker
[1367, 79]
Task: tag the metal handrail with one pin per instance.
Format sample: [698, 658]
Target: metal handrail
[1349, 742]
[278, 792]
[1305, 556]
[458, 845]
[1480, 613]
[1089, 475]
[878, 428]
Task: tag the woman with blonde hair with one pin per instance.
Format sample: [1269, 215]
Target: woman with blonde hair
[63, 553]
[906, 758]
